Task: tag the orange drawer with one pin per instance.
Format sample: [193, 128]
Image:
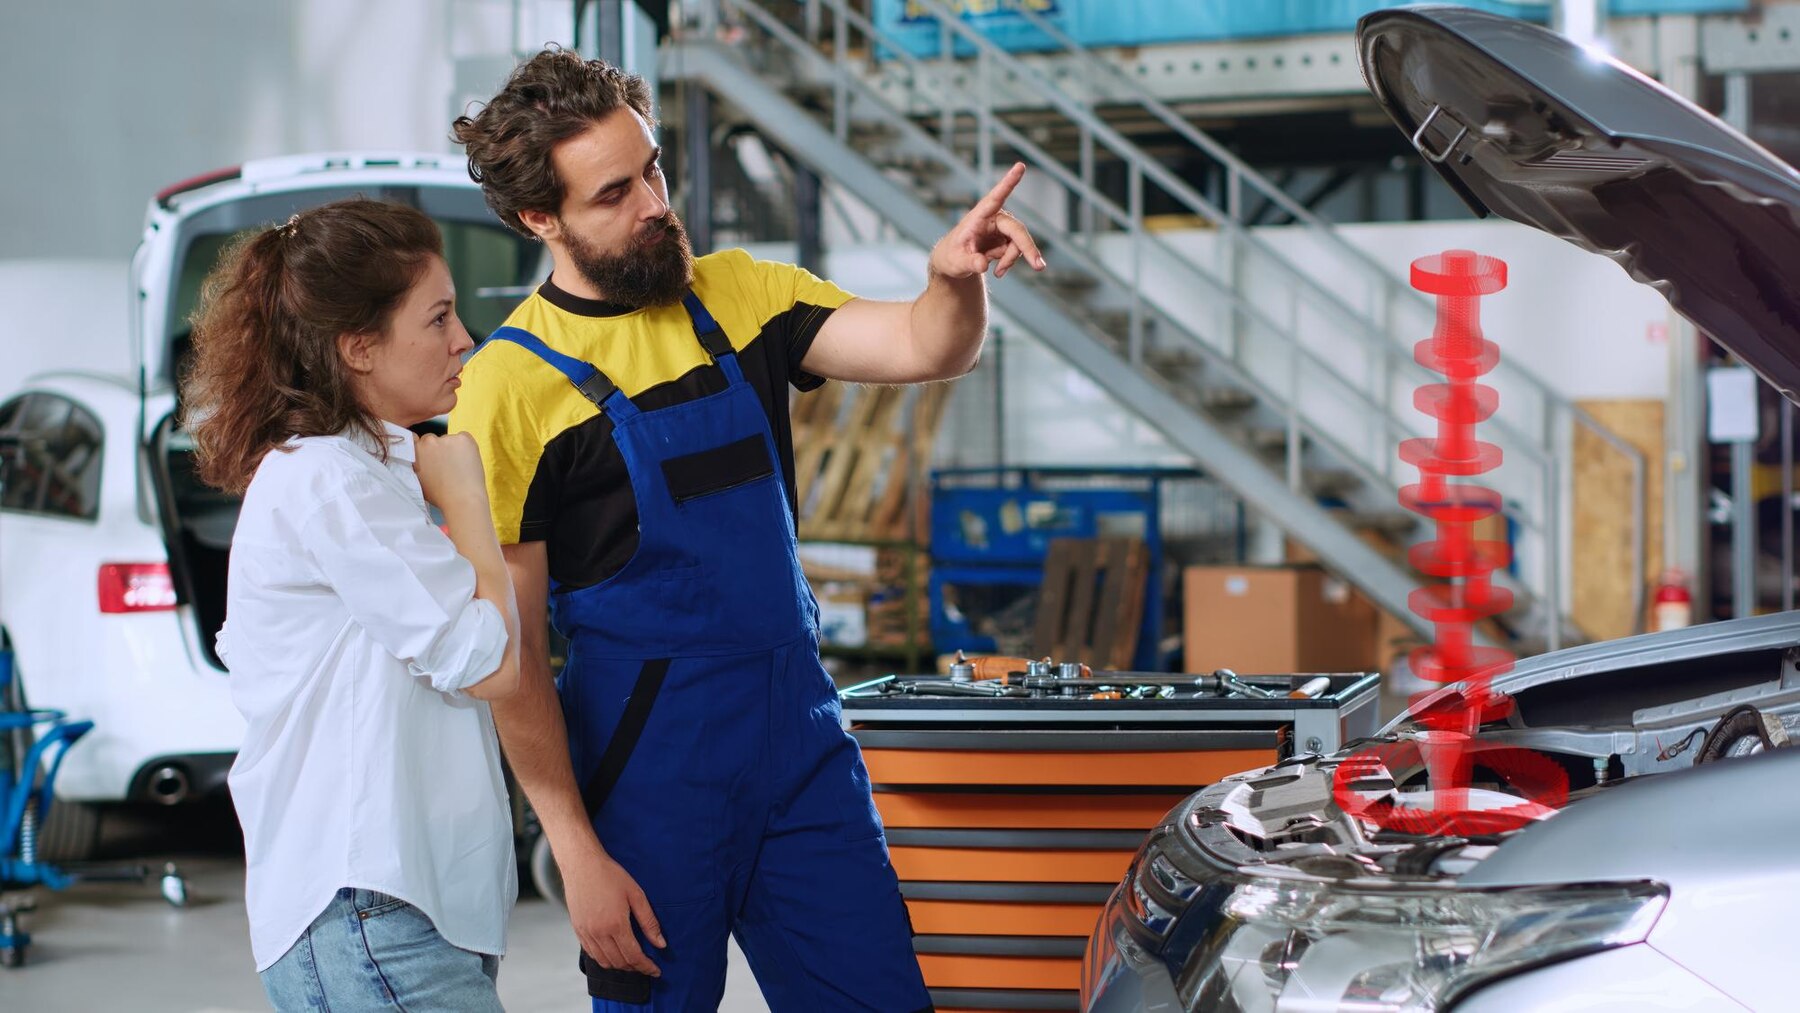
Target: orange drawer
[1059, 812]
[959, 971]
[955, 766]
[997, 918]
[976, 865]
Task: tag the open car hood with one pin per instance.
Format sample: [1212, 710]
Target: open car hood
[1527, 125]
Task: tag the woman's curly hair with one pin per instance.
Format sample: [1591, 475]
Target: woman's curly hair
[266, 362]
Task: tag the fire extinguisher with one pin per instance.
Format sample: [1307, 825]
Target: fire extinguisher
[1673, 605]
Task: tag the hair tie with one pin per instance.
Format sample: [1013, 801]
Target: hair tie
[289, 227]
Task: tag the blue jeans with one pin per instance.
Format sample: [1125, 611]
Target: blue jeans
[370, 951]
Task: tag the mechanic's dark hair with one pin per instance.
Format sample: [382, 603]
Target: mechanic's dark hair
[266, 361]
[548, 99]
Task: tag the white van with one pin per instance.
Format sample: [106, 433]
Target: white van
[112, 553]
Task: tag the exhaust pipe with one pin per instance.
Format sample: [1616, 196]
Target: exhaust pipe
[168, 785]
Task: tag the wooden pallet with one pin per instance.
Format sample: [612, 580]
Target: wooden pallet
[1092, 601]
[858, 454]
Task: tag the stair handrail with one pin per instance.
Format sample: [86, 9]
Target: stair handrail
[1391, 288]
[1544, 522]
[1371, 338]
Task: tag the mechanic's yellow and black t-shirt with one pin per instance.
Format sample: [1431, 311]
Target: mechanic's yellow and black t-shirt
[554, 473]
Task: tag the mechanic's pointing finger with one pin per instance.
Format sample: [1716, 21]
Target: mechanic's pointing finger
[996, 198]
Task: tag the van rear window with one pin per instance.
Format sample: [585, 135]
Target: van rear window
[493, 267]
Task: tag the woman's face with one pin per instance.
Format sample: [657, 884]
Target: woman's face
[409, 375]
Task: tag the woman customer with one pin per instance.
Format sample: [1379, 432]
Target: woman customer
[363, 641]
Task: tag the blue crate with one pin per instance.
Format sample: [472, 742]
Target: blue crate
[1103, 23]
[993, 527]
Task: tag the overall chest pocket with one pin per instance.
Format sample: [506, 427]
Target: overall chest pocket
[705, 472]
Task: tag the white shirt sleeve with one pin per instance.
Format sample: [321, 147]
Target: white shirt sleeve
[404, 583]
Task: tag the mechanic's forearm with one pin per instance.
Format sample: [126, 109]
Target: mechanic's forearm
[948, 324]
[531, 722]
[536, 743]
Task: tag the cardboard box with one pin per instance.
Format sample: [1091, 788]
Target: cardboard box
[1275, 620]
[1393, 640]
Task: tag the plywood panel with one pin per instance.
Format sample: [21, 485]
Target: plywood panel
[1601, 554]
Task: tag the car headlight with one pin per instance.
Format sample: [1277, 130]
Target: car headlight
[1280, 945]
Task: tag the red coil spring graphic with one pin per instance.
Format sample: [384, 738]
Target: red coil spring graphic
[1466, 594]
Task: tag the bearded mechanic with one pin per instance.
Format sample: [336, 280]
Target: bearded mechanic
[688, 768]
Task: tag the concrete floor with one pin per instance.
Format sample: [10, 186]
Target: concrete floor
[96, 944]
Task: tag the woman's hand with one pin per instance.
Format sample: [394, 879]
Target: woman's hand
[450, 473]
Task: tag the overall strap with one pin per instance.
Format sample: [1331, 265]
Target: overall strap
[712, 337]
[585, 376]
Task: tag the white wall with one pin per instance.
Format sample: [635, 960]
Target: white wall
[1572, 317]
[64, 314]
[108, 101]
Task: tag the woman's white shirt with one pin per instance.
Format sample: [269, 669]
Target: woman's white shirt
[351, 630]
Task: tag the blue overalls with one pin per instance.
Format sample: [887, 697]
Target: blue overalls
[705, 733]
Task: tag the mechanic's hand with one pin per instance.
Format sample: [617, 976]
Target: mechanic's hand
[987, 234]
[449, 470]
[603, 899]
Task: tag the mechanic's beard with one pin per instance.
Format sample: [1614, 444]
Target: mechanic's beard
[655, 270]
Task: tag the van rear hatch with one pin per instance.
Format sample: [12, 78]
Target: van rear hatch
[492, 266]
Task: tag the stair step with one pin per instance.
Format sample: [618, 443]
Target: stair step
[1334, 482]
[1223, 400]
[818, 93]
[866, 134]
[1391, 523]
[1069, 282]
[1116, 324]
[921, 167]
[1269, 439]
[1178, 364]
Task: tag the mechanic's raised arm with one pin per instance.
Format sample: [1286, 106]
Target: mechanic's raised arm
[602, 896]
[937, 336]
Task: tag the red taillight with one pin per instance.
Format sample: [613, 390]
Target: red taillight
[136, 587]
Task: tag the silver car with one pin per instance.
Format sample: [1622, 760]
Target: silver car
[1661, 875]
[1657, 886]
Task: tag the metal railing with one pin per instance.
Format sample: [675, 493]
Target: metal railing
[1535, 433]
[1389, 291]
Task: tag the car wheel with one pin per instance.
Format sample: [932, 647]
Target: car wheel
[545, 876]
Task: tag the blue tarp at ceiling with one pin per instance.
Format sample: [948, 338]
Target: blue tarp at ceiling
[1149, 22]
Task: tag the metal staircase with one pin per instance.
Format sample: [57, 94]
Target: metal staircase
[1288, 376]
